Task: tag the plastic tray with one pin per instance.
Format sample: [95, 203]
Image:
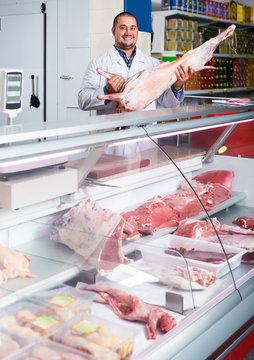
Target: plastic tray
[47, 349]
[154, 251]
[101, 338]
[11, 342]
[30, 318]
[66, 301]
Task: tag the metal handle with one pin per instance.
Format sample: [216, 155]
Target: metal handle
[66, 77]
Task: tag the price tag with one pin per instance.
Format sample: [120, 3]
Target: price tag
[62, 300]
[214, 18]
[210, 91]
[84, 327]
[45, 322]
[227, 90]
[248, 89]
[190, 14]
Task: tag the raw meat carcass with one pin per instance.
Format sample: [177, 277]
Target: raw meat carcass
[132, 308]
[245, 222]
[93, 232]
[231, 235]
[148, 85]
[13, 264]
[153, 215]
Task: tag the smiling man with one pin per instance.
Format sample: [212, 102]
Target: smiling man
[124, 59]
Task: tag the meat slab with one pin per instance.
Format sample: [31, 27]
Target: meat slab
[212, 188]
[93, 232]
[211, 257]
[153, 215]
[132, 308]
[148, 85]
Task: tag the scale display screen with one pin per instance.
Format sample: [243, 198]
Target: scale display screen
[13, 90]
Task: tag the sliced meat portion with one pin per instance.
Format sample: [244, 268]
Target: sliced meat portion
[221, 177]
[200, 255]
[245, 222]
[93, 232]
[184, 203]
[153, 215]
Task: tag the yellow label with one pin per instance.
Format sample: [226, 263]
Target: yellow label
[62, 300]
[214, 18]
[45, 322]
[248, 89]
[190, 14]
[227, 90]
[84, 327]
[210, 91]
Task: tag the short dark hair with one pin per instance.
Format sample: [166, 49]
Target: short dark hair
[124, 13]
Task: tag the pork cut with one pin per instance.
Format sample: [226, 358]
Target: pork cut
[151, 216]
[93, 232]
[211, 257]
[149, 84]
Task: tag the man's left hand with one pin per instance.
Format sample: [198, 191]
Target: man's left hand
[182, 75]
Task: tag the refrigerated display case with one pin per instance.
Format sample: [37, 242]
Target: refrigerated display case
[105, 202]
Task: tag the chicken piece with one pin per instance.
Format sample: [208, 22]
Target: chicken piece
[98, 351]
[45, 353]
[8, 321]
[14, 264]
[24, 317]
[132, 308]
[7, 345]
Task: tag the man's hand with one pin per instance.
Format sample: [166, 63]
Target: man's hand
[182, 75]
[115, 84]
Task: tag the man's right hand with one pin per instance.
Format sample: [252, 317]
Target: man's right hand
[115, 84]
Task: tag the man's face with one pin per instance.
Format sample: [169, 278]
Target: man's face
[125, 32]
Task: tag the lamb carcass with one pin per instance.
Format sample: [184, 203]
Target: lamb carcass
[13, 264]
[93, 232]
[132, 308]
[148, 85]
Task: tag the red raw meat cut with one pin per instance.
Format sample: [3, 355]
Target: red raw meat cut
[93, 232]
[212, 188]
[211, 257]
[153, 215]
[221, 177]
[245, 222]
[132, 308]
[229, 235]
[149, 84]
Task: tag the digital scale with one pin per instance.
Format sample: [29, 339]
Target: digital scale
[26, 184]
[11, 91]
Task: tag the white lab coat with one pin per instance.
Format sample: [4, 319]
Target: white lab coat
[93, 84]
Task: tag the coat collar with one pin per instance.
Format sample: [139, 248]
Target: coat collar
[139, 57]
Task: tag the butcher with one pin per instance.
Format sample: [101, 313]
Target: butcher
[124, 59]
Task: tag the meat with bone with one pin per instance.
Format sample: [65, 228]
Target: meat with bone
[212, 188]
[13, 264]
[93, 232]
[132, 308]
[229, 235]
[245, 222]
[148, 85]
[153, 215]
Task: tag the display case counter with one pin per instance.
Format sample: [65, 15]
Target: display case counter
[87, 202]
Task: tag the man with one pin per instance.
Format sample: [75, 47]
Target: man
[124, 60]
